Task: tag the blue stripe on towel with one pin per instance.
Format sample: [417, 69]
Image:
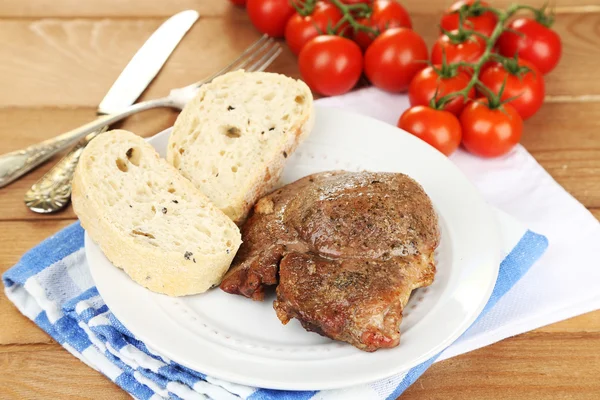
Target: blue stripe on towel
[51, 250]
[131, 385]
[176, 374]
[529, 249]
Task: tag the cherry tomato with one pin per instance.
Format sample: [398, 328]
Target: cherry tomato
[527, 87]
[467, 49]
[299, 30]
[477, 19]
[427, 81]
[241, 3]
[386, 14]
[330, 65]
[439, 128]
[364, 39]
[490, 132]
[533, 42]
[394, 58]
[270, 16]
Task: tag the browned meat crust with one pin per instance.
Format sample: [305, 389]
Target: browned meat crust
[347, 250]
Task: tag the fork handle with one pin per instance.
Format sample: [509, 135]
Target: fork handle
[17, 163]
[53, 191]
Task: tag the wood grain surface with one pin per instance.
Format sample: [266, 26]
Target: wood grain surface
[58, 60]
[212, 8]
[90, 53]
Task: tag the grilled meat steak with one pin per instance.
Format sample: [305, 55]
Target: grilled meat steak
[346, 248]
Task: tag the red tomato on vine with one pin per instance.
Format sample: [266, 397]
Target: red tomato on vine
[432, 79]
[522, 81]
[531, 41]
[300, 29]
[270, 16]
[330, 65]
[438, 128]
[477, 19]
[385, 14]
[394, 58]
[457, 47]
[490, 132]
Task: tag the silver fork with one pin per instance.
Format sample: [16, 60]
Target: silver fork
[13, 165]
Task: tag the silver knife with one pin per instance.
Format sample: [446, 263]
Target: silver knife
[52, 192]
[146, 63]
[140, 71]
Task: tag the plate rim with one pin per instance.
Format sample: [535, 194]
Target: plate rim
[119, 310]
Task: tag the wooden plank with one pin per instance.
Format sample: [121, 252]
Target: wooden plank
[537, 366]
[576, 170]
[589, 322]
[564, 140]
[562, 137]
[142, 8]
[26, 126]
[69, 63]
[563, 126]
[50, 372]
[557, 125]
[19, 348]
[17, 237]
[114, 8]
[580, 38]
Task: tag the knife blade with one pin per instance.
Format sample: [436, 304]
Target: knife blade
[146, 63]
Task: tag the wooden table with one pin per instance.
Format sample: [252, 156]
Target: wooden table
[59, 58]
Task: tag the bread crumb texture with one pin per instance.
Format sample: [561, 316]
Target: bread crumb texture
[148, 219]
[232, 140]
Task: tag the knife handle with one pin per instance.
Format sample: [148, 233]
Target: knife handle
[17, 163]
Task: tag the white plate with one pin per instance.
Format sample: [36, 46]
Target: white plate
[241, 341]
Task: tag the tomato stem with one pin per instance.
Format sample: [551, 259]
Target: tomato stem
[493, 98]
[304, 8]
[445, 70]
[540, 14]
[348, 11]
[511, 65]
[459, 36]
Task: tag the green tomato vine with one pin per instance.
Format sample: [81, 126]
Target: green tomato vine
[493, 98]
[351, 13]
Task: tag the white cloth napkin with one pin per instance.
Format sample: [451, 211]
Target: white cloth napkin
[565, 282]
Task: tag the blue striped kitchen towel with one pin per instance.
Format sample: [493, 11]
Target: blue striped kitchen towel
[52, 285]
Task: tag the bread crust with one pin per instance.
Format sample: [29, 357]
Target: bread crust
[158, 269]
[264, 176]
[265, 183]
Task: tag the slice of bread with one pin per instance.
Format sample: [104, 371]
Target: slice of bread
[233, 138]
[148, 219]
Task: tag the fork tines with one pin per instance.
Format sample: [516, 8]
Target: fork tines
[257, 57]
